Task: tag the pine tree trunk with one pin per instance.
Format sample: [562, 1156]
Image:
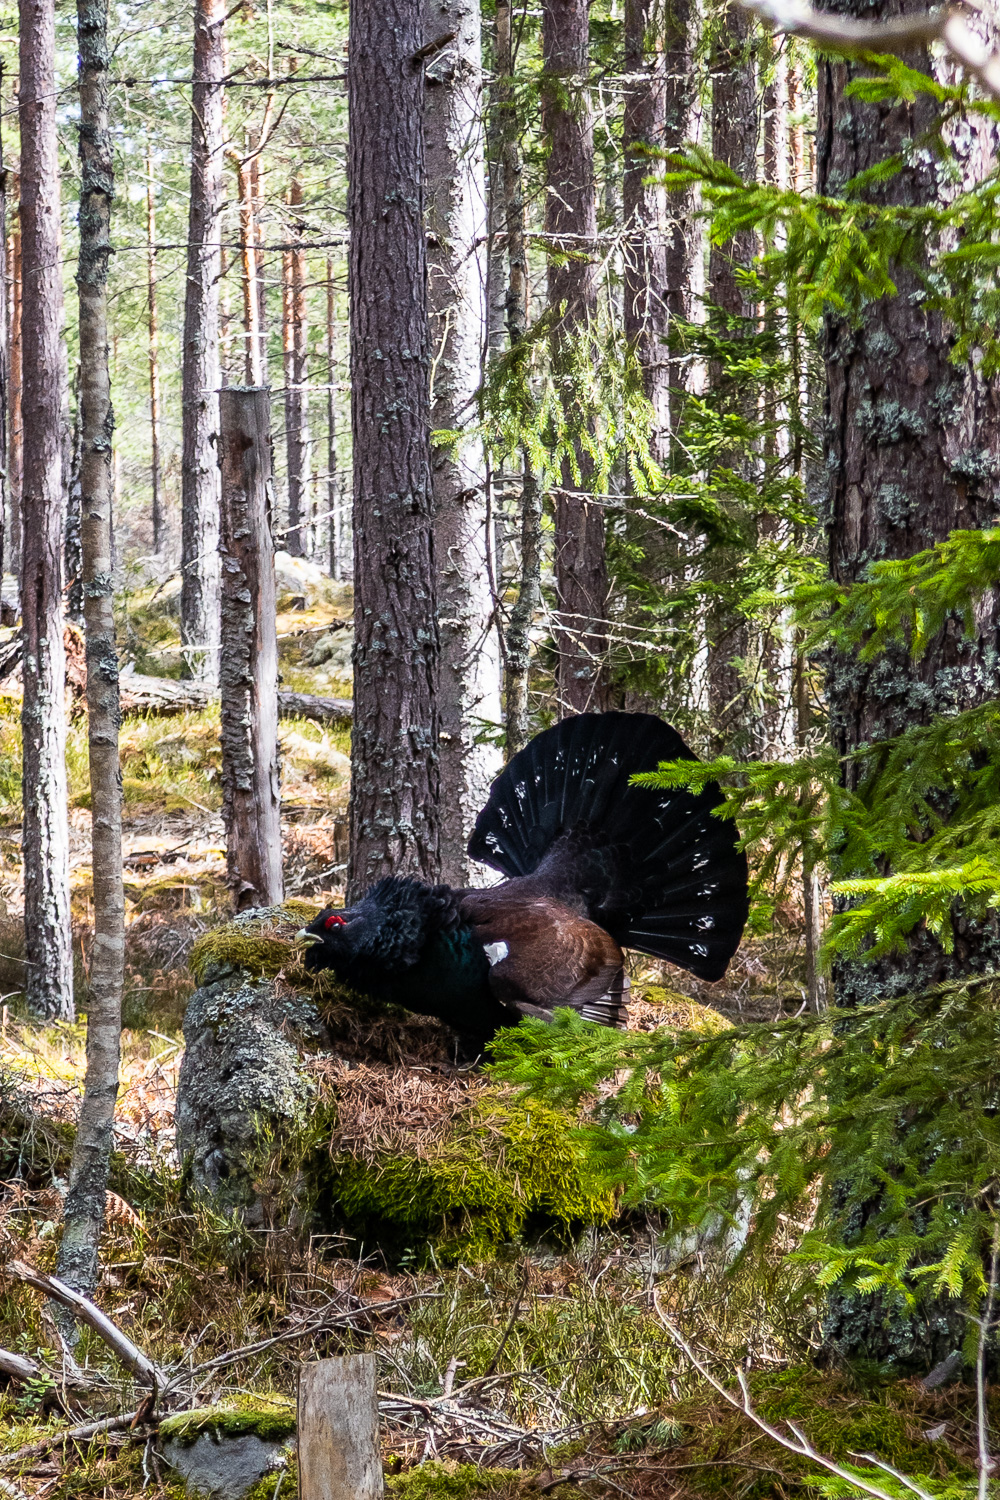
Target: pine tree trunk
[469, 680]
[154, 363]
[529, 593]
[571, 224]
[296, 349]
[394, 748]
[912, 445]
[734, 142]
[45, 837]
[200, 366]
[16, 434]
[253, 364]
[4, 354]
[333, 505]
[248, 661]
[83, 1217]
[73, 534]
[646, 271]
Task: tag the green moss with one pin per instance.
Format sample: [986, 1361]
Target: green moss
[506, 1169]
[261, 945]
[270, 1418]
[271, 1488]
[451, 1481]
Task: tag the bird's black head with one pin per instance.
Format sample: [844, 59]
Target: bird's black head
[332, 942]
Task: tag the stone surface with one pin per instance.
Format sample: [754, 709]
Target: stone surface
[223, 1468]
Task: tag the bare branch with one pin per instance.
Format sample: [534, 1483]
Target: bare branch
[799, 1443]
[82, 1308]
[19, 1368]
[68, 1435]
[842, 34]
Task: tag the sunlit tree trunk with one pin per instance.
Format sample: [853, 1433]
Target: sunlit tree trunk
[200, 362]
[15, 447]
[45, 836]
[4, 356]
[394, 746]
[469, 681]
[333, 501]
[571, 225]
[83, 1217]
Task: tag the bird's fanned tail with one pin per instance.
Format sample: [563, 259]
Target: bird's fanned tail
[654, 868]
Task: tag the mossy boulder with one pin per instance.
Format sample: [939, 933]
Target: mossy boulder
[223, 1452]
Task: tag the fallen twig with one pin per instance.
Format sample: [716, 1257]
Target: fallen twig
[87, 1312]
[68, 1435]
[18, 1367]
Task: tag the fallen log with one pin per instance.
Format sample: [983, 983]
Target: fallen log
[166, 695]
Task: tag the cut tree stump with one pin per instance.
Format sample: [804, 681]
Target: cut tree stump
[338, 1439]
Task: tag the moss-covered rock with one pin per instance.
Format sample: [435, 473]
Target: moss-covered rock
[497, 1171]
[269, 1417]
[260, 943]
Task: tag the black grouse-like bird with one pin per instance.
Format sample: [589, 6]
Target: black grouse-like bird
[594, 865]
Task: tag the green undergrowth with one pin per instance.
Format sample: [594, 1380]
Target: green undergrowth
[503, 1172]
[447, 1480]
[261, 944]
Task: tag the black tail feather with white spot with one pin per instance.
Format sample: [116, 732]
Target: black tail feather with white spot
[654, 868]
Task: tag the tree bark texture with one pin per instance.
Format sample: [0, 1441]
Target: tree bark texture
[469, 680]
[84, 1212]
[15, 448]
[4, 353]
[734, 142]
[529, 592]
[394, 747]
[248, 660]
[73, 528]
[200, 361]
[913, 452]
[45, 836]
[333, 504]
[295, 340]
[571, 222]
[153, 326]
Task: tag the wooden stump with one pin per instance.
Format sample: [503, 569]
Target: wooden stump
[339, 1455]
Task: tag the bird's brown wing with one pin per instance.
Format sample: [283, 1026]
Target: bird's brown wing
[543, 954]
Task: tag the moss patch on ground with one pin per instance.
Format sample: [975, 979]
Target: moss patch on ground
[447, 1480]
[260, 943]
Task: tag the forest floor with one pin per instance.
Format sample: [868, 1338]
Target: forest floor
[565, 1347]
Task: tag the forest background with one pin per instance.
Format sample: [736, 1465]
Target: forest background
[661, 375]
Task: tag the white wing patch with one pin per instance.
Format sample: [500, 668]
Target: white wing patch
[495, 952]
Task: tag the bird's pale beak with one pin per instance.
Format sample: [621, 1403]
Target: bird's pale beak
[304, 935]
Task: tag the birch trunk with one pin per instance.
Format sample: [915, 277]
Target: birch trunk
[45, 836]
[83, 1218]
[248, 662]
[469, 682]
[571, 224]
[200, 368]
[394, 747]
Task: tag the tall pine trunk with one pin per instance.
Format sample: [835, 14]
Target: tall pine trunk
[394, 745]
[45, 836]
[734, 142]
[335, 520]
[15, 435]
[511, 189]
[469, 681]
[295, 340]
[200, 361]
[912, 444]
[4, 354]
[153, 327]
[84, 1213]
[571, 227]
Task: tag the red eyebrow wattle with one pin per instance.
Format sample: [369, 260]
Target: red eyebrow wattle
[334, 921]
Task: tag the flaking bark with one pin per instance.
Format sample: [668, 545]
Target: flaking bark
[45, 836]
[394, 747]
[469, 681]
[84, 1212]
[248, 659]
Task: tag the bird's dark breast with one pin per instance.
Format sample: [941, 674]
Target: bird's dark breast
[450, 979]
